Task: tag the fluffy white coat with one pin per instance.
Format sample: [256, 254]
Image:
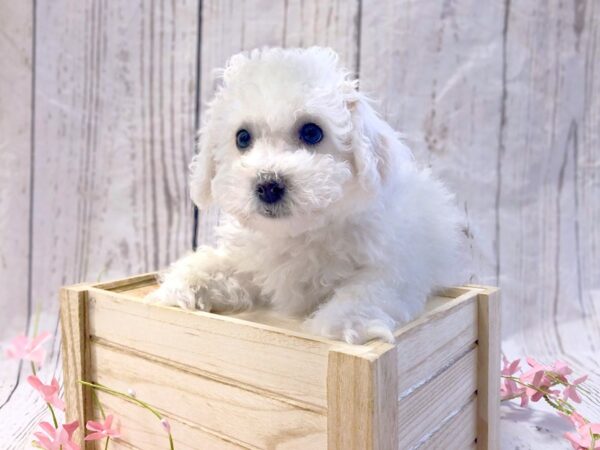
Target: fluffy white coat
[362, 236]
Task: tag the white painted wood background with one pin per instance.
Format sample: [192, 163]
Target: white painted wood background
[99, 101]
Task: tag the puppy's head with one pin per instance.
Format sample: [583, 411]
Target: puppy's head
[289, 144]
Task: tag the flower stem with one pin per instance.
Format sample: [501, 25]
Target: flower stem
[53, 415]
[122, 395]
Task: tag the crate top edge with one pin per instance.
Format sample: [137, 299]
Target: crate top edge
[456, 296]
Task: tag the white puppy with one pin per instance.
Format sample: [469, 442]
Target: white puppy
[327, 214]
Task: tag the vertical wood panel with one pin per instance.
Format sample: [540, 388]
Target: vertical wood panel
[114, 135]
[16, 23]
[435, 68]
[16, 50]
[229, 27]
[550, 178]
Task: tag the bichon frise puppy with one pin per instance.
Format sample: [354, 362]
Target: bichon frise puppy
[328, 216]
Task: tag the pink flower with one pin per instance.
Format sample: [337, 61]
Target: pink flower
[21, 347]
[570, 392]
[53, 439]
[584, 437]
[49, 391]
[102, 430]
[541, 377]
[509, 368]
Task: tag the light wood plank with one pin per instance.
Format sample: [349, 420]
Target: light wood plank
[458, 432]
[429, 405]
[141, 430]
[229, 27]
[224, 409]
[16, 72]
[75, 356]
[549, 233]
[362, 407]
[114, 130]
[292, 365]
[488, 371]
[431, 342]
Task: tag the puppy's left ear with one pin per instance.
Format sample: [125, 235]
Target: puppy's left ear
[378, 150]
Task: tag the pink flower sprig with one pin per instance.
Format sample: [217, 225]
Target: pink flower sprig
[49, 393]
[22, 347]
[56, 438]
[101, 430]
[537, 383]
[163, 421]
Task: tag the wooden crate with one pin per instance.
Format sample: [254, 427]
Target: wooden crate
[256, 381]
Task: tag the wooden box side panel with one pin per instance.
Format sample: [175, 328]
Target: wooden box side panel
[260, 358]
[75, 356]
[432, 404]
[459, 431]
[218, 411]
[431, 343]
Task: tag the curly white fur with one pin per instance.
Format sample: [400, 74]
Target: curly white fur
[363, 236]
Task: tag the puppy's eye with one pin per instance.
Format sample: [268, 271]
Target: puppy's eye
[243, 139]
[311, 133]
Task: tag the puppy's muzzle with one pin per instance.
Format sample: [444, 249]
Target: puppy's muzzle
[270, 189]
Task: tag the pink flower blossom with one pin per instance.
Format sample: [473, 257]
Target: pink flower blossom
[55, 439]
[541, 378]
[102, 430]
[510, 368]
[584, 437]
[570, 392]
[509, 388]
[21, 347]
[49, 392]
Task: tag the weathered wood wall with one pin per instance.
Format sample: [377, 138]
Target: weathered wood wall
[99, 100]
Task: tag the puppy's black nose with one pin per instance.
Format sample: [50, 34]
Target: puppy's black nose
[270, 191]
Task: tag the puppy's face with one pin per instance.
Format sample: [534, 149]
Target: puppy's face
[282, 149]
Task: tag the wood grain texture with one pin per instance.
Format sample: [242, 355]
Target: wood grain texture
[548, 195]
[114, 127]
[142, 431]
[16, 48]
[291, 365]
[230, 26]
[361, 399]
[113, 134]
[459, 431]
[223, 409]
[428, 344]
[488, 370]
[431, 404]
[76, 357]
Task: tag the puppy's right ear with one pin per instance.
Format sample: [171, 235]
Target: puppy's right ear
[202, 171]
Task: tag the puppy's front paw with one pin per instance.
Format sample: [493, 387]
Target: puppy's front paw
[173, 294]
[354, 327]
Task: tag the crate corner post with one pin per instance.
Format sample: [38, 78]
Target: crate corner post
[362, 398]
[488, 397]
[75, 357]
